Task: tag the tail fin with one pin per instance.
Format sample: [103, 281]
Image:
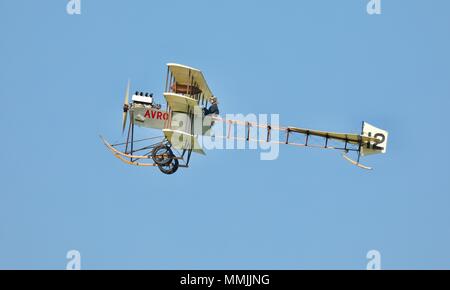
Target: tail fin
[374, 147]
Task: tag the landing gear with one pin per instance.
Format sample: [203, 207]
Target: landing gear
[169, 168]
[163, 156]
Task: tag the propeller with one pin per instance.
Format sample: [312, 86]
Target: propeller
[126, 107]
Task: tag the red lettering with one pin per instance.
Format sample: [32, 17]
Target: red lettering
[156, 115]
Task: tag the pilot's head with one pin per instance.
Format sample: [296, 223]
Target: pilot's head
[213, 100]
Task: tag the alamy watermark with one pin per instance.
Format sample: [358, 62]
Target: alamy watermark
[73, 7]
[374, 258]
[374, 7]
[74, 260]
[234, 132]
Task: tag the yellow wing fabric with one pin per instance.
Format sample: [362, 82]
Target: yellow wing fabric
[186, 91]
[188, 80]
[183, 141]
[180, 103]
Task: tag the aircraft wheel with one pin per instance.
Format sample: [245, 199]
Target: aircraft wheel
[169, 168]
[162, 155]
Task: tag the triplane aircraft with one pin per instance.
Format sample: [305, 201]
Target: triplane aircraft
[186, 92]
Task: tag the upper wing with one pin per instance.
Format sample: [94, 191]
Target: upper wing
[187, 81]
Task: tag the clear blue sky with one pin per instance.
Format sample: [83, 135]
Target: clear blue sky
[319, 64]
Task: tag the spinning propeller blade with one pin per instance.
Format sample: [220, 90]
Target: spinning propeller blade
[125, 108]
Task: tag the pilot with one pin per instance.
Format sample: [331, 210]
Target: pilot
[214, 108]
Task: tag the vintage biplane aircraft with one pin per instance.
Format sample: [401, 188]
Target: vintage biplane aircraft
[186, 92]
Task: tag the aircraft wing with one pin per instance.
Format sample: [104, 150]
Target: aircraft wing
[187, 81]
[183, 141]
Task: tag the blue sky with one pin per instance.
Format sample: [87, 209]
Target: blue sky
[319, 64]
